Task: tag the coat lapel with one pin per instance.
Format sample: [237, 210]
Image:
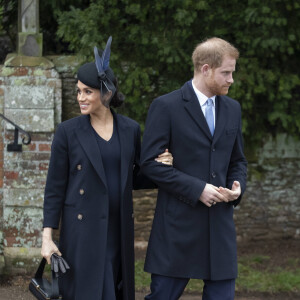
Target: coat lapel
[221, 116]
[88, 142]
[193, 108]
[126, 143]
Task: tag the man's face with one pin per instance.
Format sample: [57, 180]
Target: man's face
[220, 79]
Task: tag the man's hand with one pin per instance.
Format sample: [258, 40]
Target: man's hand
[232, 194]
[211, 195]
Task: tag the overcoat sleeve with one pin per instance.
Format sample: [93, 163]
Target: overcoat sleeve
[57, 179]
[140, 181]
[156, 139]
[237, 169]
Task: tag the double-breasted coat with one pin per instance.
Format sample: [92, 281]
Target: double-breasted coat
[189, 239]
[76, 192]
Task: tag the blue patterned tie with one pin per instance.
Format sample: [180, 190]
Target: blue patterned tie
[209, 115]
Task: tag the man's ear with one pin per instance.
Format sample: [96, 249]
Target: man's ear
[205, 69]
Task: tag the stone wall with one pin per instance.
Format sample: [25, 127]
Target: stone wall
[66, 66]
[271, 206]
[1, 184]
[31, 98]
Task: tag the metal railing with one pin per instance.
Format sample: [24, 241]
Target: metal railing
[25, 140]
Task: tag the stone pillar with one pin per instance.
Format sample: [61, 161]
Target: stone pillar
[31, 98]
[1, 182]
[30, 41]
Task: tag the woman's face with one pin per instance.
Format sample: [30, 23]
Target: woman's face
[88, 99]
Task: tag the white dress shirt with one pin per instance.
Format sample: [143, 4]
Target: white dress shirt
[202, 100]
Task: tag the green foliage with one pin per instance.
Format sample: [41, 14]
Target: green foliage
[49, 10]
[1, 19]
[150, 44]
[48, 22]
[153, 42]
[267, 83]
[9, 19]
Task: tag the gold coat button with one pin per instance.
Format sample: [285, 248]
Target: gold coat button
[78, 167]
[81, 191]
[80, 217]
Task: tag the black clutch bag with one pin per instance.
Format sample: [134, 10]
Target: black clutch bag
[43, 289]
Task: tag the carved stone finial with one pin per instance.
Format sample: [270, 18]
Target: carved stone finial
[30, 41]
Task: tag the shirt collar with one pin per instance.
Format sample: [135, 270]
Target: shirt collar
[201, 97]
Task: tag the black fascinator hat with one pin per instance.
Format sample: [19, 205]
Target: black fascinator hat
[99, 75]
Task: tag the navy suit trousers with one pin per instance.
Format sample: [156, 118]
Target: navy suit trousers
[171, 288]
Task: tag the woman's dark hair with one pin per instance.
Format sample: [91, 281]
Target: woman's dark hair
[88, 75]
[118, 98]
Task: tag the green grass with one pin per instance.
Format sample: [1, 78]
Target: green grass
[142, 279]
[254, 276]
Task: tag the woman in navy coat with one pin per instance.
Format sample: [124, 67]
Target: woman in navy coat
[93, 168]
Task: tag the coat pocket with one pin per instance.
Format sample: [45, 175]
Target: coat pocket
[231, 131]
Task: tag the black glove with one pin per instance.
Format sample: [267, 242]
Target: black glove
[58, 264]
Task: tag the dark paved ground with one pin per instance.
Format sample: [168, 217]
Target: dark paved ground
[22, 293]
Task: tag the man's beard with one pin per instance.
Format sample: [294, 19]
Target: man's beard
[217, 89]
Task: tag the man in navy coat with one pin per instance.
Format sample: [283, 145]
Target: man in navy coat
[193, 232]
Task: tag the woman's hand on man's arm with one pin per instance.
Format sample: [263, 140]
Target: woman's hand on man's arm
[166, 158]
